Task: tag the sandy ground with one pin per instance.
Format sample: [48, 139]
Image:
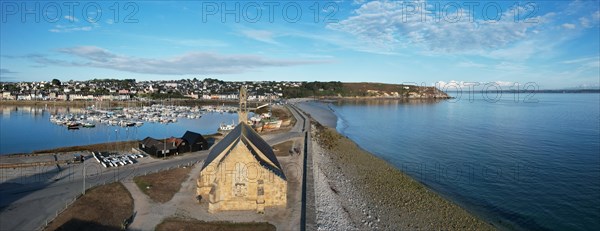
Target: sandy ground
[319, 112]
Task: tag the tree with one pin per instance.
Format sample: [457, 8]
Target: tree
[55, 82]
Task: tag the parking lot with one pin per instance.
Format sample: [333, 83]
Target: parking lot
[115, 160]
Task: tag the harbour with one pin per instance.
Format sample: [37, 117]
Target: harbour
[19, 122]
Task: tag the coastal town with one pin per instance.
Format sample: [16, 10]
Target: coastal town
[130, 89]
[206, 90]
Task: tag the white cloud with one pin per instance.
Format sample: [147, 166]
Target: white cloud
[585, 22]
[71, 18]
[188, 63]
[195, 42]
[358, 2]
[470, 64]
[62, 29]
[582, 60]
[392, 25]
[260, 35]
[584, 64]
[568, 26]
[454, 85]
[423, 28]
[590, 20]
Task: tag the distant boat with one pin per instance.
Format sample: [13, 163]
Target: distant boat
[72, 126]
[88, 125]
[272, 124]
[227, 127]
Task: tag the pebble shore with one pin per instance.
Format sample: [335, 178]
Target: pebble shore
[355, 190]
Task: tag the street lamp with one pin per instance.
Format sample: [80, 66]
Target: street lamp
[116, 137]
[83, 175]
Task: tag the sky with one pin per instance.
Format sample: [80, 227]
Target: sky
[552, 44]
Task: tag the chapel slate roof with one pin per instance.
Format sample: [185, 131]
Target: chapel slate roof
[244, 133]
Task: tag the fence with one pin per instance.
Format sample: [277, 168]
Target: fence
[63, 209]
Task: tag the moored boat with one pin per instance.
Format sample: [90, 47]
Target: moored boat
[88, 125]
[226, 127]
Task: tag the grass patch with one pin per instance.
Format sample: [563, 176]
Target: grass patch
[113, 146]
[143, 185]
[178, 224]
[162, 186]
[101, 208]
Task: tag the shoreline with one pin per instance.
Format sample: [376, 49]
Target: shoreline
[363, 191]
[107, 146]
[346, 174]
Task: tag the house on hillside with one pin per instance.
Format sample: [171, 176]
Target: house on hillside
[242, 173]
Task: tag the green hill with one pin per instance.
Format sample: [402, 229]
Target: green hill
[362, 90]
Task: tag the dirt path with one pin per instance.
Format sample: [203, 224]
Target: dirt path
[150, 213]
[147, 213]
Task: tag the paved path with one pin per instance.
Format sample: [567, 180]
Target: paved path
[308, 219]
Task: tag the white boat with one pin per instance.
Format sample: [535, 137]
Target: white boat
[227, 127]
[88, 125]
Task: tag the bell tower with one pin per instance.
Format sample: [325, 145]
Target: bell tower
[243, 109]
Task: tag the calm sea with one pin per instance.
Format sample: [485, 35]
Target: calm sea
[25, 129]
[532, 165]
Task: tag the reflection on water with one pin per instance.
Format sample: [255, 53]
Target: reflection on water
[383, 102]
[34, 111]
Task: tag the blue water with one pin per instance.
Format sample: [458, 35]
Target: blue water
[25, 129]
[531, 165]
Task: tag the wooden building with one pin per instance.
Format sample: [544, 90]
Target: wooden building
[157, 148]
[193, 142]
[190, 142]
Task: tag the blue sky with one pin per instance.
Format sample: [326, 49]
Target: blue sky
[552, 43]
